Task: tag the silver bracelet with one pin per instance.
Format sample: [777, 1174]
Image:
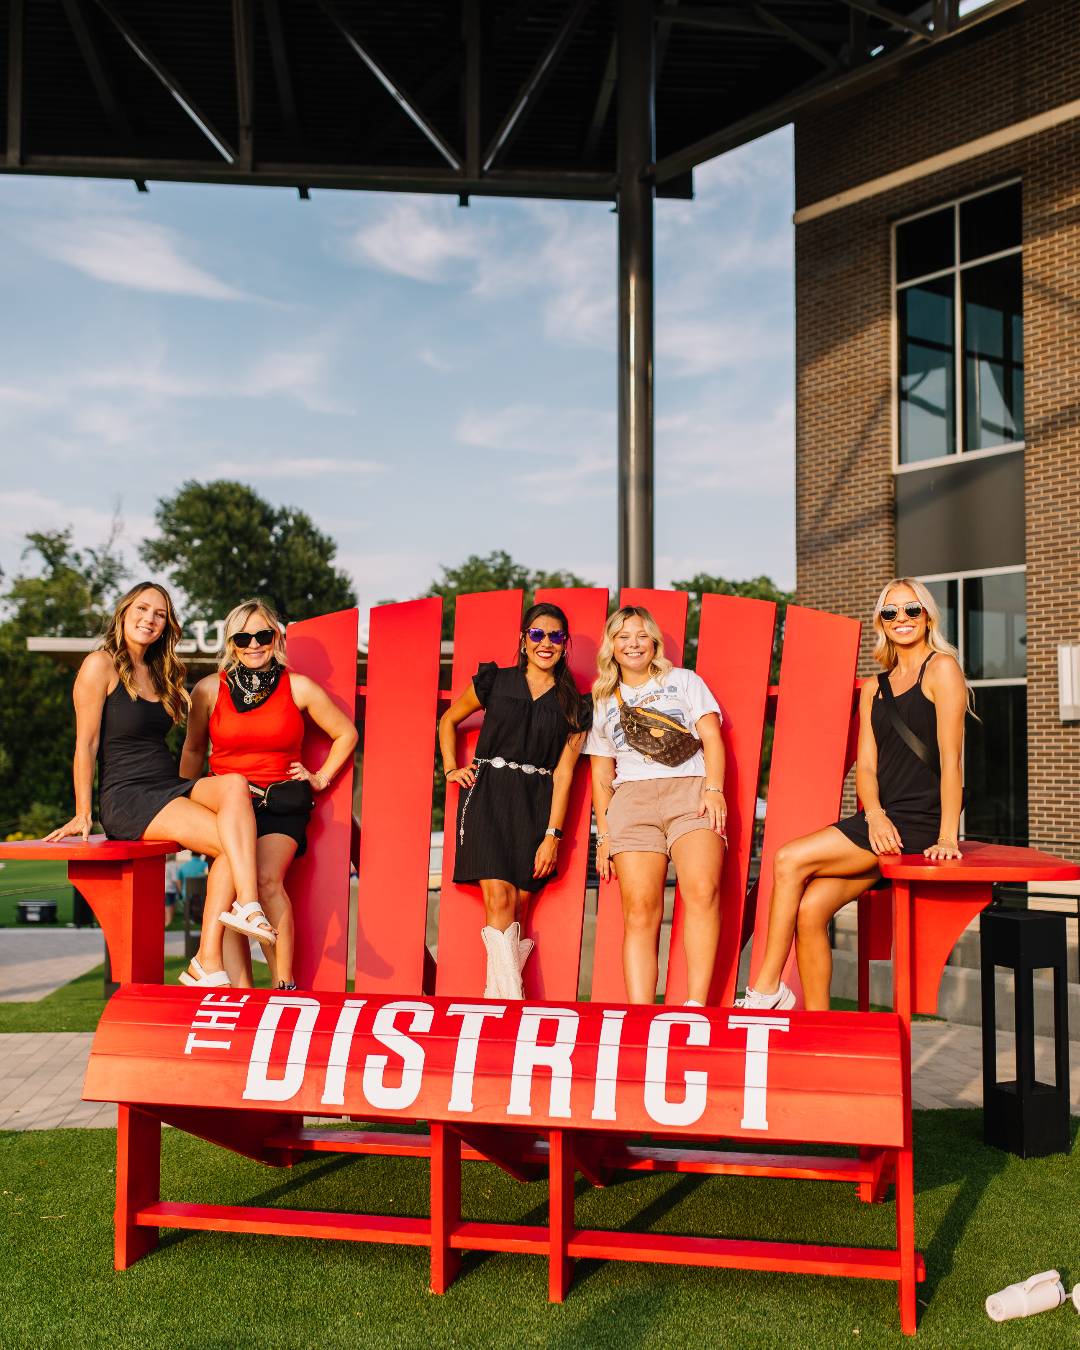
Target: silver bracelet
[600, 838]
[715, 789]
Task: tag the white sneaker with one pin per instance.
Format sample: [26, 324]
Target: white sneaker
[781, 1000]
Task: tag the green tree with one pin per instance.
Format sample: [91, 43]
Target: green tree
[497, 572]
[220, 543]
[69, 595]
[756, 588]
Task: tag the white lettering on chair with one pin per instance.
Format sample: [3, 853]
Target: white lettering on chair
[338, 1059]
[215, 1012]
[260, 1087]
[386, 1033]
[607, 1065]
[472, 1023]
[695, 1098]
[756, 1077]
[529, 1056]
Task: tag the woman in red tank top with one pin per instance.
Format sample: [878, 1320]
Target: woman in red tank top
[252, 715]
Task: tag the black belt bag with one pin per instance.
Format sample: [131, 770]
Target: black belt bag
[290, 797]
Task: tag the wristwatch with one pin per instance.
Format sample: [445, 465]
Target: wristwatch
[555, 834]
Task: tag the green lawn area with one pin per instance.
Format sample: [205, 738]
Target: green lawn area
[78, 1006]
[34, 881]
[984, 1219]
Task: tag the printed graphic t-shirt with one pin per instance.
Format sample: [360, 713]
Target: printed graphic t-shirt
[680, 695]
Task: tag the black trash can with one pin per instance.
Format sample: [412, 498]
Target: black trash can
[1022, 1115]
[35, 911]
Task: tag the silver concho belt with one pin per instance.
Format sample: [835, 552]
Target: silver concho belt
[496, 762]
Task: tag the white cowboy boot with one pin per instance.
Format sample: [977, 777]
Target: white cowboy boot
[491, 938]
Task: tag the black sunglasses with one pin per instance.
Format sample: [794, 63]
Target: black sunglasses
[912, 610]
[262, 638]
[557, 637]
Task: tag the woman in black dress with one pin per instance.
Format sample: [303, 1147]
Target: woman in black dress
[908, 777]
[514, 793]
[128, 696]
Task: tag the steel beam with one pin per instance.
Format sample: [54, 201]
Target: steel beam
[602, 106]
[636, 142]
[16, 39]
[890, 16]
[244, 54]
[818, 90]
[532, 88]
[169, 81]
[472, 33]
[787, 31]
[392, 87]
[99, 74]
[279, 56]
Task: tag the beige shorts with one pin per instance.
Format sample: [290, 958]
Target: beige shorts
[648, 816]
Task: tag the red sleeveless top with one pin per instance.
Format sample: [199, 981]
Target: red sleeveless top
[260, 743]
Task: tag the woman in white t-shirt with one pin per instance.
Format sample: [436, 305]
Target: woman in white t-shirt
[658, 793]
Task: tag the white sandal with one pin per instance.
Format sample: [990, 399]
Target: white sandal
[217, 977]
[250, 920]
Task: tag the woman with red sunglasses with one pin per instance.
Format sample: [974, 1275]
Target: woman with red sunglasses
[515, 791]
[908, 777]
[252, 715]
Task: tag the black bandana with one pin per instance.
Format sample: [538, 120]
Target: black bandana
[250, 688]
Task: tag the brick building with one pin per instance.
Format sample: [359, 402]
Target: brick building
[938, 380]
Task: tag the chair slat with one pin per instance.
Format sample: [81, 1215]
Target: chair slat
[486, 629]
[555, 921]
[668, 608]
[734, 655]
[324, 649]
[809, 759]
[395, 820]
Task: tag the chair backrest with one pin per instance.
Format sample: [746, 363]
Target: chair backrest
[809, 760]
[324, 649]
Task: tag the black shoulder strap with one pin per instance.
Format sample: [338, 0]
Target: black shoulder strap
[914, 743]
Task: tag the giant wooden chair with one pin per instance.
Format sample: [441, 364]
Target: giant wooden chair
[552, 1085]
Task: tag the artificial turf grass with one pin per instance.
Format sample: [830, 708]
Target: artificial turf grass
[78, 1005]
[983, 1219]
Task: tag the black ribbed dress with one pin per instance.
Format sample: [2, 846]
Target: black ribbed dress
[909, 790]
[503, 816]
[136, 772]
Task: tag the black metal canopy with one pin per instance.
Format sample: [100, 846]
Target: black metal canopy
[510, 97]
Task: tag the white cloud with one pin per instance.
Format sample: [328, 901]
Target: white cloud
[426, 239]
[434, 361]
[123, 251]
[26, 510]
[302, 374]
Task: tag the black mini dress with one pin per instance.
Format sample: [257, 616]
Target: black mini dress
[502, 818]
[909, 790]
[137, 774]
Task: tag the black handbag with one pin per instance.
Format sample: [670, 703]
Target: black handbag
[290, 797]
[655, 736]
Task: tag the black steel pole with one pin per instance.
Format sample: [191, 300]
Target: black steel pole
[636, 147]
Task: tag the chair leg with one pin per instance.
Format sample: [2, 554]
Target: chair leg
[138, 1183]
[863, 952]
[445, 1205]
[560, 1213]
[905, 1238]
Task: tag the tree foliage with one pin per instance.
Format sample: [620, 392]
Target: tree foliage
[756, 588]
[220, 543]
[70, 595]
[497, 572]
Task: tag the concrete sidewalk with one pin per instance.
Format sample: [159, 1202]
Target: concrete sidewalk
[36, 961]
[41, 1074]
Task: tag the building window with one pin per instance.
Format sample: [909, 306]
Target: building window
[984, 616]
[960, 327]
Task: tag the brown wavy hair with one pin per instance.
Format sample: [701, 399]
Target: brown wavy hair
[166, 669]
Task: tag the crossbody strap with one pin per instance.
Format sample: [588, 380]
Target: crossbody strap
[914, 743]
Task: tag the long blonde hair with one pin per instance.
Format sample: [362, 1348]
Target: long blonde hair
[236, 618]
[607, 680]
[885, 653]
[165, 668]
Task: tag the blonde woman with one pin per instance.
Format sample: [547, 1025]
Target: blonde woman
[252, 715]
[658, 793]
[908, 778]
[128, 697]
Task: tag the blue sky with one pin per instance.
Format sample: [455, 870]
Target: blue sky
[426, 381]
